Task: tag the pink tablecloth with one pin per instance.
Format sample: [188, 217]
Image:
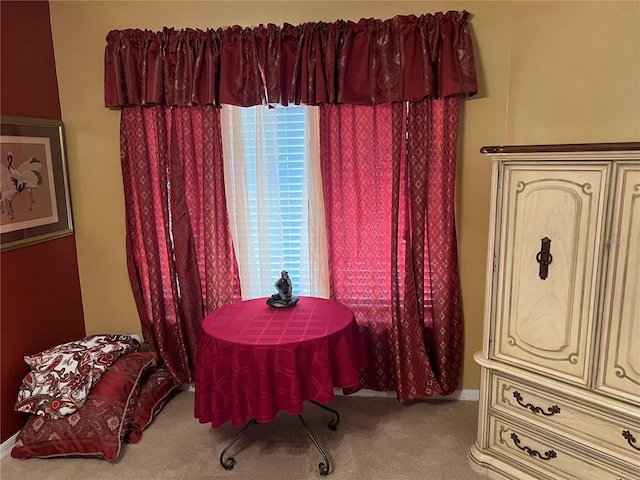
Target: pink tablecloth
[255, 360]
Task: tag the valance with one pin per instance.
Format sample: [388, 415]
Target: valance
[406, 58]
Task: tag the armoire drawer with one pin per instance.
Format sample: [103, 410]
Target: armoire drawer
[605, 431]
[535, 453]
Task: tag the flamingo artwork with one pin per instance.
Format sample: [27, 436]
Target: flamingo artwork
[14, 181]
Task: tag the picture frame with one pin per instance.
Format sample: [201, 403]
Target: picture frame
[35, 204]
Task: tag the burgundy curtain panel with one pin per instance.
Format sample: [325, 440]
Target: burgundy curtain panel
[389, 92]
[432, 127]
[392, 243]
[179, 255]
[357, 163]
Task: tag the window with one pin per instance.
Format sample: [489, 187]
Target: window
[269, 166]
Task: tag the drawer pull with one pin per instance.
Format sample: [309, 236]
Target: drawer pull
[630, 439]
[533, 453]
[552, 410]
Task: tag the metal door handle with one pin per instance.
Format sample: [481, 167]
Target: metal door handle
[544, 258]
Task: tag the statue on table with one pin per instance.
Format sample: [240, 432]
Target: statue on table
[284, 297]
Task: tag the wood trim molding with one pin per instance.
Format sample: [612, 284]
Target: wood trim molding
[565, 147]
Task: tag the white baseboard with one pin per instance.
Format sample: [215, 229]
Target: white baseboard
[464, 394]
[468, 395]
[7, 445]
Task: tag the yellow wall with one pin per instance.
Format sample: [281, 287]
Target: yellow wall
[549, 72]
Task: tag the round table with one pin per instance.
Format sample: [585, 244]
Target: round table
[254, 360]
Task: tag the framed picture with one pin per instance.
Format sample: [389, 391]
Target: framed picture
[34, 189]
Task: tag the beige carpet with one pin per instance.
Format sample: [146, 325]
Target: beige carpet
[377, 439]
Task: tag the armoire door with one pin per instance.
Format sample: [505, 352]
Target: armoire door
[548, 254]
[619, 370]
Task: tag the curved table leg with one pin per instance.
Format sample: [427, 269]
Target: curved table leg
[230, 462]
[333, 423]
[324, 467]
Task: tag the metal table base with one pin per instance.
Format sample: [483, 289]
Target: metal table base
[324, 467]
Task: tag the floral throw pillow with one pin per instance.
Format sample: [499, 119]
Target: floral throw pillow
[97, 429]
[61, 377]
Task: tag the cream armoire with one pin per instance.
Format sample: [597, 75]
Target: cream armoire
[560, 382]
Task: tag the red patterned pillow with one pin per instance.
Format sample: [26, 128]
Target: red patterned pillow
[156, 389]
[97, 428]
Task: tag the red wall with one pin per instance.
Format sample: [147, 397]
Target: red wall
[40, 297]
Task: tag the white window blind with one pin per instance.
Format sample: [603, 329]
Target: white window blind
[267, 172]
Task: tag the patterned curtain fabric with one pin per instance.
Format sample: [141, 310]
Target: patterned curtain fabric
[389, 92]
[432, 152]
[179, 253]
[392, 245]
[357, 150]
[405, 58]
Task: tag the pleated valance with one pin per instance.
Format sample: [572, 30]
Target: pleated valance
[406, 58]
